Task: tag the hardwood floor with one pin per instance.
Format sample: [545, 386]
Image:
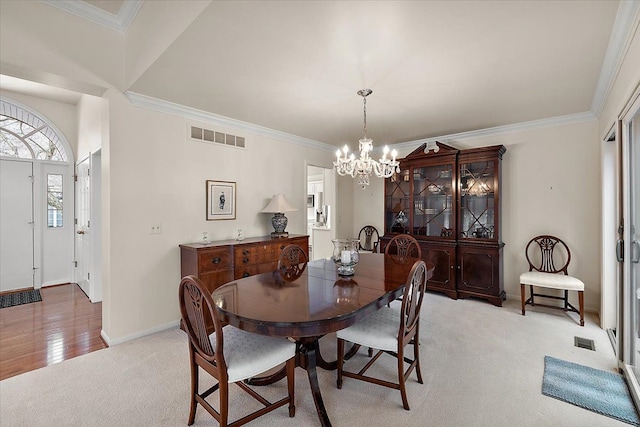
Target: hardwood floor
[63, 325]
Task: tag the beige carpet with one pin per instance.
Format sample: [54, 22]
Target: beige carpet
[482, 366]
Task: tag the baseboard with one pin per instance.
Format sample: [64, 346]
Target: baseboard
[111, 342]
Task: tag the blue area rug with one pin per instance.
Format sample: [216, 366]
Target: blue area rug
[599, 391]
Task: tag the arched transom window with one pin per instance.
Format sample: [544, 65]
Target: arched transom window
[25, 136]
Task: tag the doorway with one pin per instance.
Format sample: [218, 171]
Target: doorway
[16, 225]
[630, 249]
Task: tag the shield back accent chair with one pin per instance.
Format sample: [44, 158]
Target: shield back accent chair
[404, 246]
[292, 262]
[543, 254]
[228, 354]
[390, 330]
[369, 239]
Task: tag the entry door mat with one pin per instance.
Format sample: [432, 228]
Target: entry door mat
[19, 298]
[599, 391]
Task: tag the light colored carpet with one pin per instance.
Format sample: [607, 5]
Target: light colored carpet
[482, 366]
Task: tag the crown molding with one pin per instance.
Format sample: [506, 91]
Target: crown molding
[189, 113]
[167, 107]
[624, 27]
[587, 116]
[119, 22]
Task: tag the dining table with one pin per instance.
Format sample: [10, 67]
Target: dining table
[312, 304]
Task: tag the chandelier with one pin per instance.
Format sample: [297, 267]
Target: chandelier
[364, 166]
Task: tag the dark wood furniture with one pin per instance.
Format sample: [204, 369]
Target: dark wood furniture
[207, 351]
[369, 238]
[216, 263]
[292, 262]
[316, 303]
[543, 253]
[403, 245]
[450, 202]
[390, 330]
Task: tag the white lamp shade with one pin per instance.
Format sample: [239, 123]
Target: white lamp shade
[278, 204]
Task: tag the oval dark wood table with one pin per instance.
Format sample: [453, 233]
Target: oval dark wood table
[315, 303]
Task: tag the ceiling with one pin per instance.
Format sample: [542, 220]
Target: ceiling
[435, 67]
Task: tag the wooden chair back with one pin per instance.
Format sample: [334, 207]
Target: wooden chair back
[292, 262]
[369, 238]
[412, 298]
[199, 320]
[403, 245]
[548, 254]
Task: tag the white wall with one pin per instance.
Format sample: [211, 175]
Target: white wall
[156, 175]
[550, 185]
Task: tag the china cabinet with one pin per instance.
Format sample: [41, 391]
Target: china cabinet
[450, 202]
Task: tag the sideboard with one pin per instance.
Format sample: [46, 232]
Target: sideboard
[220, 262]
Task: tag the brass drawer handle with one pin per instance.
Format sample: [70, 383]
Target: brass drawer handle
[246, 274]
[216, 260]
[245, 252]
[245, 260]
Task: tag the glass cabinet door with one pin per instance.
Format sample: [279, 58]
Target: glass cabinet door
[477, 200]
[432, 201]
[397, 202]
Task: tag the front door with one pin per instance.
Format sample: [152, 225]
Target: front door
[83, 230]
[16, 225]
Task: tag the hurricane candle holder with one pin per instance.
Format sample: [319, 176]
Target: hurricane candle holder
[345, 255]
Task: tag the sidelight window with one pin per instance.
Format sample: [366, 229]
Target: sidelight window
[54, 200]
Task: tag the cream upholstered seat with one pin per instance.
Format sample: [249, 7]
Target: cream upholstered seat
[390, 330]
[248, 355]
[543, 252]
[551, 280]
[228, 354]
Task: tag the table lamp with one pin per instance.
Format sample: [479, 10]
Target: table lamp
[277, 206]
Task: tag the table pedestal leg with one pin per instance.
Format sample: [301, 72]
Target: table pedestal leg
[308, 350]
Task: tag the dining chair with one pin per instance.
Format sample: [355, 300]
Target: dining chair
[542, 253]
[404, 246]
[369, 238]
[228, 354]
[389, 330]
[292, 261]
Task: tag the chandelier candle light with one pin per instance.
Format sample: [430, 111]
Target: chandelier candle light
[346, 164]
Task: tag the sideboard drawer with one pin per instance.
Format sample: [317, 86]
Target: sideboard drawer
[256, 254]
[250, 270]
[215, 259]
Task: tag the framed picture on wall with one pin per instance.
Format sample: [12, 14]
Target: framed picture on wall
[221, 200]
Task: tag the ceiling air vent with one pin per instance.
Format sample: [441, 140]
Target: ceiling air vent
[207, 135]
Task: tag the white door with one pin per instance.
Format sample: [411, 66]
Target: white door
[631, 252]
[16, 225]
[83, 230]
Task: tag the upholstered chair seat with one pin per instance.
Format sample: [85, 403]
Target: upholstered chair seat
[551, 280]
[248, 354]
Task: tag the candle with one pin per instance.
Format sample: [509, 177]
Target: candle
[345, 257]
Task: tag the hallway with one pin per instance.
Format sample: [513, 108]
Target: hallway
[65, 324]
